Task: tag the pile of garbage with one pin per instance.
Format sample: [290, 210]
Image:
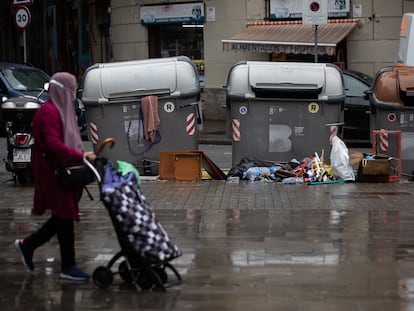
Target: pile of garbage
[312, 169]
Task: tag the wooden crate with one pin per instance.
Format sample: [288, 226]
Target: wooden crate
[377, 170]
[180, 165]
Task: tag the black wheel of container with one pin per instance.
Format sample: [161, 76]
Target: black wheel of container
[162, 274]
[102, 277]
[146, 280]
[125, 272]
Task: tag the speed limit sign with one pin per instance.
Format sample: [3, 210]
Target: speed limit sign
[22, 17]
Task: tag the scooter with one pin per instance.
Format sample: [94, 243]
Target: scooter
[18, 113]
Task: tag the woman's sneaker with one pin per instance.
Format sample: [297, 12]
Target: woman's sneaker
[25, 254]
[74, 273]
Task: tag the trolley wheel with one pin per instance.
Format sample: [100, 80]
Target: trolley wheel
[102, 277]
[146, 280]
[162, 274]
[125, 272]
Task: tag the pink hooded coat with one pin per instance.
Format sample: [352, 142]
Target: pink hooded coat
[56, 135]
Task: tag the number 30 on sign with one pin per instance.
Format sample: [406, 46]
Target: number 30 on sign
[22, 17]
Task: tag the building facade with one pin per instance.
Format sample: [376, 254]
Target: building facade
[61, 35]
[373, 43]
[74, 34]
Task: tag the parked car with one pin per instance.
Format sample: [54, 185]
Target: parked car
[356, 130]
[18, 80]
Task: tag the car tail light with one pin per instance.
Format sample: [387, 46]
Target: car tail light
[22, 139]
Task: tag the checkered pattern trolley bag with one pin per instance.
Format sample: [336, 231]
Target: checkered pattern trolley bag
[145, 246]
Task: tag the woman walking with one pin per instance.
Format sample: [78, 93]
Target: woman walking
[57, 141]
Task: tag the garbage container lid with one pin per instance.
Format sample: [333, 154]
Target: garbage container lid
[271, 79]
[395, 85]
[165, 76]
[284, 76]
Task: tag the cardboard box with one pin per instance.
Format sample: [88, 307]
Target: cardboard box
[377, 170]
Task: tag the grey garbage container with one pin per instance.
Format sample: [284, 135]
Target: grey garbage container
[113, 94]
[281, 111]
[392, 108]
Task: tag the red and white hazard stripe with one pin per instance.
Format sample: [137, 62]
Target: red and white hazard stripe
[190, 124]
[236, 129]
[333, 131]
[384, 144]
[93, 131]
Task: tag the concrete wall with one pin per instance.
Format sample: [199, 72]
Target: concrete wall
[372, 45]
[231, 18]
[129, 38]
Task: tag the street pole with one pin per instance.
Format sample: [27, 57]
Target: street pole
[24, 47]
[315, 29]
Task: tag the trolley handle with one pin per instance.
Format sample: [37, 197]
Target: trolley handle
[93, 169]
[108, 140]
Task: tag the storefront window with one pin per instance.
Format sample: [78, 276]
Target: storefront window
[177, 39]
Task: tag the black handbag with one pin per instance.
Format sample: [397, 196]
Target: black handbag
[76, 174]
[70, 175]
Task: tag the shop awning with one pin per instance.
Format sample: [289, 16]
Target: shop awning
[290, 37]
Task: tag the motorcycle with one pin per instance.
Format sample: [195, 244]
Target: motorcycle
[18, 113]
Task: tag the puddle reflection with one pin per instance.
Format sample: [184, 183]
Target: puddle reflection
[262, 238]
[312, 253]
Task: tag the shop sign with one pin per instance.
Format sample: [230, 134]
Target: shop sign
[293, 9]
[173, 13]
[278, 48]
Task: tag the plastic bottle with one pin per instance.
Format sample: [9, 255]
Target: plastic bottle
[289, 180]
[257, 172]
[310, 174]
[233, 179]
[292, 180]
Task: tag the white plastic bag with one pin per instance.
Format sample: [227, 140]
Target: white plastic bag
[340, 160]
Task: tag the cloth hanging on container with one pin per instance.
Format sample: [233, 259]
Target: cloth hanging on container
[149, 105]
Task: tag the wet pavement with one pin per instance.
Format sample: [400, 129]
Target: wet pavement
[246, 246]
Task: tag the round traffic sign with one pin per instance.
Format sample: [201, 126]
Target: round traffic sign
[392, 117]
[22, 17]
[314, 6]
